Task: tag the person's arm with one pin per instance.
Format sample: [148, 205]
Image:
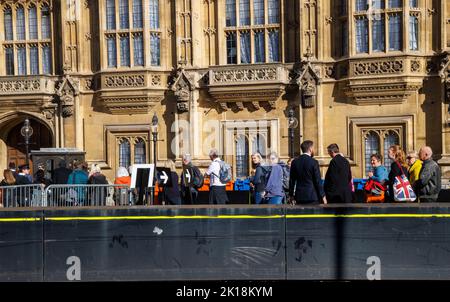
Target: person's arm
[292, 178]
[257, 178]
[316, 180]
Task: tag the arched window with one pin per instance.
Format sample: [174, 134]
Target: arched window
[124, 153]
[7, 15]
[154, 14]
[45, 19]
[372, 146]
[139, 151]
[32, 23]
[242, 150]
[137, 14]
[110, 14]
[274, 11]
[124, 14]
[391, 138]
[259, 145]
[20, 23]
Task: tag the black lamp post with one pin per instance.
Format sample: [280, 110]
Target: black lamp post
[292, 124]
[27, 132]
[154, 129]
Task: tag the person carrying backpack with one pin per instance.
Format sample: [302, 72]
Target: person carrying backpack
[191, 180]
[274, 192]
[219, 173]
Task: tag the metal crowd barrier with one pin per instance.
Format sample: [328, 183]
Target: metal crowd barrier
[22, 196]
[88, 195]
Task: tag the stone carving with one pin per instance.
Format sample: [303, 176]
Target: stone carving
[156, 80]
[182, 84]
[377, 67]
[9, 86]
[124, 81]
[244, 75]
[124, 105]
[415, 66]
[66, 91]
[329, 72]
[444, 73]
[307, 77]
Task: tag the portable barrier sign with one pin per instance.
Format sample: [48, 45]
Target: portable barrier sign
[142, 176]
[163, 177]
[188, 175]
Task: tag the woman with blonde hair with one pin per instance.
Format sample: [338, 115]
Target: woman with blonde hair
[415, 165]
[399, 167]
[8, 196]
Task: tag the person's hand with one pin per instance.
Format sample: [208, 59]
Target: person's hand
[325, 200]
[263, 194]
[370, 174]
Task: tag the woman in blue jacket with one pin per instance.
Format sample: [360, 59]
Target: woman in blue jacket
[274, 192]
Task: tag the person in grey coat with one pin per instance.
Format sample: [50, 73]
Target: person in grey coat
[428, 185]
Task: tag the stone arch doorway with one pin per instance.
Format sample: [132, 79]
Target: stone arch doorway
[13, 149]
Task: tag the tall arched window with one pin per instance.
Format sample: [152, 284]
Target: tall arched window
[390, 138]
[124, 14]
[110, 14]
[154, 14]
[139, 152]
[46, 24]
[20, 23]
[242, 156]
[137, 14]
[7, 17]
[372, 146]
[124, 153]
[258, 11]
[32, 23]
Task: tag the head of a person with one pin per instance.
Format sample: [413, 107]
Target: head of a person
[333, 150]
[40, 174]
[12, 166]
[411, 157]
[187, 158]
[256, 158]
[25, 169]
[122, 172]
[396, 153]
[273, 158]
[95, 168]
[9, 176]
[425, 153]
[62, 164]
[376, 160]
[84, 166]
[307, 147]
[213, 154]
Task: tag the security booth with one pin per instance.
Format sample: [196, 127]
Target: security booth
[49, 158]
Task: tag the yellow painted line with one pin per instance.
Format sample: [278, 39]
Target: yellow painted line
[369, 216]
[163, 217]
[19, 219]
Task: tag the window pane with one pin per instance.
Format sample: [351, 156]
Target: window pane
[124, 14]
[372, 146]
[21, 61]
[112, 52]
[412, 3]
[390, 139]
[231, 13]
[32, 23]
[258, 11]
[45, 19]
[413, 33]
[274, 11]
[110, 14]
[46, 60]
[259, 145]
[138, 51]
[242, 156]
[395, 3]
[378, 35]
[124, 154]
[34, 60]
[378, 4]
[245, 48]
[360, 5]
[274, 48]
[362, 43]
[231, 48]
[260, 55]
[8, 24]
[244, 12]
[124, 51]
[155, 49]
[137, 14]
[395, 32]
[154, 14]
[9, 60]
[20, 23]
[139, 152]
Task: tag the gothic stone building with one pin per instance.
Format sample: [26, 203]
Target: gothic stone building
[90, 74]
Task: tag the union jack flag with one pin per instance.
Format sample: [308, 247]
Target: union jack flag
[403, 190]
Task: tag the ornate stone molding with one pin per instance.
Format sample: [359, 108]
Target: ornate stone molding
[182, 84]
[124, 81]
[306, 77]
[376, 67]
[66, 91]
[444, 73]
[125, 105]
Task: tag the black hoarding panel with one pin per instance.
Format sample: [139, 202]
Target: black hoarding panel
[170, 243]
[21, 246]
[373, 242]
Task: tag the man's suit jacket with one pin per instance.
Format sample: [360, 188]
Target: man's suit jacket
[304, 180]
[337, 181]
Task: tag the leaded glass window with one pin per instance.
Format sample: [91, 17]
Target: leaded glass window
[231, 48]
[242, 156]
[372, 146]
[258, 11]
[7, 16]
[362, 39]
[20, 23]
[124, 14]
[244, 12]
[124, 153]
[413, 33]
[395, 32]
[34, 60]
[124, 51]
[259, 47]
[137, 14]
[230, 13]
[139, 152]
[32, 23]
[245, 48]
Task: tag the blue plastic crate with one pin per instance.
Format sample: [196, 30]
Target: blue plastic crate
[359, 183]
[242, 185]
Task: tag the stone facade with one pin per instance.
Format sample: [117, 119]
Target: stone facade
[338, 96]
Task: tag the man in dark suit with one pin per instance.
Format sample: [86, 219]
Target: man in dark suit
[304, 180]
[61, 174]
[338, 178]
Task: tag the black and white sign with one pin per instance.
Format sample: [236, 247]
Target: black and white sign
[142, 176]
[163, 177]
[188, 176]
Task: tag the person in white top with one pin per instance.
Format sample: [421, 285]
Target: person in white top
[217, 193]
